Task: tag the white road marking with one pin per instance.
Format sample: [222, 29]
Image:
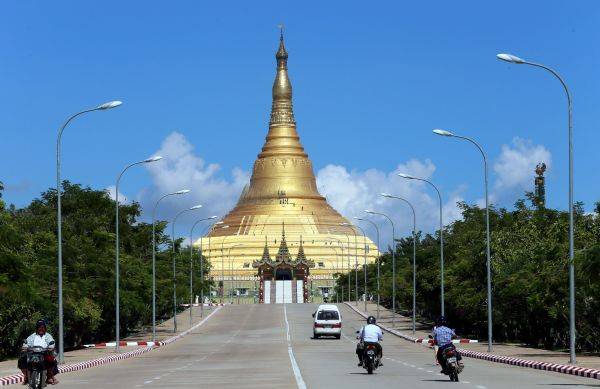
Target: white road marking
[297, 374]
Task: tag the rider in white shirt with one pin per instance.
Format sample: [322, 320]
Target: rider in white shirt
[40, 338]
[369, 334]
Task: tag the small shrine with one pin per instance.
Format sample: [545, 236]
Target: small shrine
[283, 280]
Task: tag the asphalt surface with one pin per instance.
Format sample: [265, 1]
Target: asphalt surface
[247, 346]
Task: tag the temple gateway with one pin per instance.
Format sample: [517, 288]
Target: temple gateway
[283, 280]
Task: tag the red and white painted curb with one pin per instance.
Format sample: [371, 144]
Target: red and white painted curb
[205, 304]
[122, 344]
[18, 378]
[455, 341]
[554, 367]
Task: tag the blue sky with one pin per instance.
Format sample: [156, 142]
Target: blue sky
[371, 79]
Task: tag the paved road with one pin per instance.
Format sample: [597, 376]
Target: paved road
[247, 346]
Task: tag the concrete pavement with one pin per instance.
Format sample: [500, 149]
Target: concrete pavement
[164, 330]
[246, 347]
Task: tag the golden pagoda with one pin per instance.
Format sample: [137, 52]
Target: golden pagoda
[283, 191]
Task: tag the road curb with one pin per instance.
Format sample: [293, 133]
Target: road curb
[18, 378]
[547, 366]
[122, 344]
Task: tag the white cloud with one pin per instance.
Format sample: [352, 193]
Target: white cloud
[182, 168]
[348, 191]
[351, 192]
[111, 190]
[515, 169]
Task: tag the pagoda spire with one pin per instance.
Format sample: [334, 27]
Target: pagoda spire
[301, 257]
[283, 254]
[266, 257]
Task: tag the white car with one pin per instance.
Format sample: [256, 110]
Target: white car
[327, 321]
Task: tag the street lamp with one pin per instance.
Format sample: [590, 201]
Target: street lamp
[378, 255]
[355, 260]
[231, 285]
[487, 227]
[409, 177]
[516, 60]
[211, 227]
[349, 271]
[393, 261]
[61, 337]
[117, 314]
[179, 192]
[414, 309]
[223, 265]
[341, 244]
[191, 264]
[195, 207]
[365, 266]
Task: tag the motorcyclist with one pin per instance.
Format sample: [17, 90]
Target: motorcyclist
[369, 334]
[43, 339]
[443, 335]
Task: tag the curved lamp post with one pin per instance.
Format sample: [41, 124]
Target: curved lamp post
[414, 309]
[61, 336]
[223, 264]
[378, 255]
[355, 260]
[341, 245]
[179, 192]
[192, 265]
[209, 227]
[231, 284]
[349, 269]
[195, 207]
[442, 299]
[117, 314]
[487, 227]
[516, 60]
[393, 261]
[365, 265]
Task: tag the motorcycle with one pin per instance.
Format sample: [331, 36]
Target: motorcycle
[370, 358]
[453, 366]
[36, 367]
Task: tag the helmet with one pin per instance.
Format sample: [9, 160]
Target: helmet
[441, 321]
[371, 320]
[40, 323]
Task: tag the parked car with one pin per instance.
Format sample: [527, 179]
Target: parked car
[327, 321]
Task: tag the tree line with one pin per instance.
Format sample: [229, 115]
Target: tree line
[28, 268]
[529, 275]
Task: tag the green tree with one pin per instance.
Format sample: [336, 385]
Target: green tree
[28, 273]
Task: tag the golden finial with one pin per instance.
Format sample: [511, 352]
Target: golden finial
[281, 111]
[282, 54]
